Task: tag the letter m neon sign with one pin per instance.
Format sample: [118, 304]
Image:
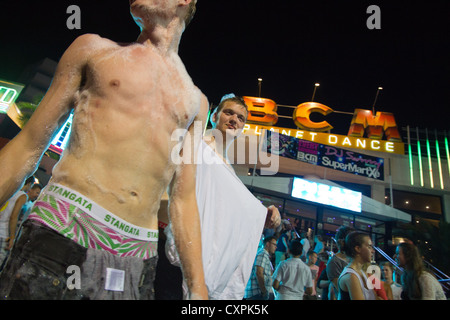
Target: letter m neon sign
[375, 126]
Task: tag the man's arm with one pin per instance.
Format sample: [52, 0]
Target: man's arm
[184, 216]
[260, 278]
[353, 286]
[183, 213]
[14, 217]
[333, 274]
[276, 284]
[21, 156]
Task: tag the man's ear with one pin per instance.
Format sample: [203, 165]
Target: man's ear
[213, 118]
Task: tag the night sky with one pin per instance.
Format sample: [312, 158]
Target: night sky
[290, 44]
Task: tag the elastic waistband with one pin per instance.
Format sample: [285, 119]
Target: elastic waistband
[99, 213]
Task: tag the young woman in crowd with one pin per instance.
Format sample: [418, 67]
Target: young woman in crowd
[417, 283]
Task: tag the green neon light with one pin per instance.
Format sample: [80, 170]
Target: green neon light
[448, 154]
[4, 108]
[7, 95]
[430, 164]
[420, 163]
[411, 171]
[438, 152]
[206, 122]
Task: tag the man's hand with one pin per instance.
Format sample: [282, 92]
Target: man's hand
[10, 244]
[273, 218]
[200, 293]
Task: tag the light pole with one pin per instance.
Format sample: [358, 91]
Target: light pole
[316, 85]
[259, 87]
[376, 98]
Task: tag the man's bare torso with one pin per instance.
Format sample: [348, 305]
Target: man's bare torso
[130, 101]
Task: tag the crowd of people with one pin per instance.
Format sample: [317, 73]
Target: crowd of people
[284, 271]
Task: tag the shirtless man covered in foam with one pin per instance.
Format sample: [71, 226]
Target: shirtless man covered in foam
[99, 211]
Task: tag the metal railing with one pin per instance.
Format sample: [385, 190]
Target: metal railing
[443, 279]
[386, 256]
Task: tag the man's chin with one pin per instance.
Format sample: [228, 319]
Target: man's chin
[233, 133]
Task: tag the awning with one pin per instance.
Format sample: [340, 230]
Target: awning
[370, 207]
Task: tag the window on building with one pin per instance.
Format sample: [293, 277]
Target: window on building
[267, 200]
[300, 209]
[337, 218]
[429, 205]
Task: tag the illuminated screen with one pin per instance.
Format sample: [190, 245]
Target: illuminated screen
[59, 143]
[325, 194]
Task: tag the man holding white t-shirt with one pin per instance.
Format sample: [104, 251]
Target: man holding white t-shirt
[232, 219]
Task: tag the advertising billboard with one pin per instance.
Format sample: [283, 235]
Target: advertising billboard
[325, 155]
[327, 195]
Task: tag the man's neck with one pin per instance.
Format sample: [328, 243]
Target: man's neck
[220, 147]
[165, 39]
[356, 265]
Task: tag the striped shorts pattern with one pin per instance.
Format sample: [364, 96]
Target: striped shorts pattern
[81, 228]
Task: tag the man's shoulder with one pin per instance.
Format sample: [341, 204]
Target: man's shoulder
[262, 255]
[91, 38]
[92, 43]
[86, 47]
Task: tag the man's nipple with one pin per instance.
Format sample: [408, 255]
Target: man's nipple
[114, 83]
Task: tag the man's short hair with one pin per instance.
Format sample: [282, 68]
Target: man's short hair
[352, 240]
[295, 247]
[311, 252]
[191, 12]
[235, 99]
[35, 186]
[267, 239]
[30, 180]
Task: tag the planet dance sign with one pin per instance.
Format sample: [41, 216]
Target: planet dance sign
[324, 155]
[262, 114]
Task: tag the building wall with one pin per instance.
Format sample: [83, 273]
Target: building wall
[396, 173]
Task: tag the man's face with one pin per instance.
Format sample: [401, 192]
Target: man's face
[271, 246]
[231, 119]
[33, 194]
[387, 271]
[366, 249]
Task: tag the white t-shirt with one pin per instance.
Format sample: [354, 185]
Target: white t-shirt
[306, 246]
[294, 275]
[232, 221]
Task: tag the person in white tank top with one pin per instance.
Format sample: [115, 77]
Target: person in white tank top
[352, 283]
